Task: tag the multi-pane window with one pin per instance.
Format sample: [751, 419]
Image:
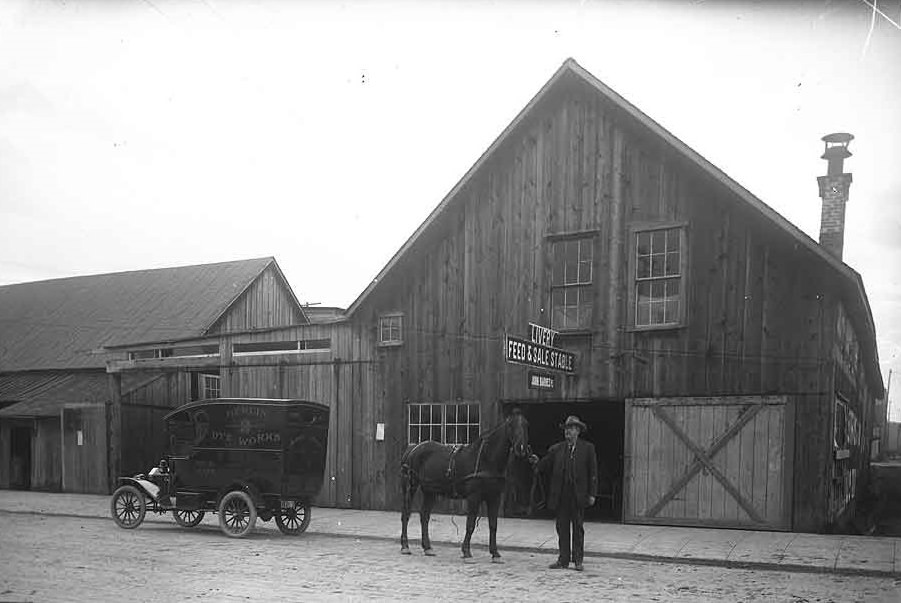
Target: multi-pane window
[210, 386]
[658, 277]
[461, 423]
[571, 284]
[444, 423]
[391, 329]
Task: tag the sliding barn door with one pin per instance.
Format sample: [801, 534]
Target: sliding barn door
[721, 462]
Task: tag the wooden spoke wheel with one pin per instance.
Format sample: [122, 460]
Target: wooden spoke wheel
[237, 514]
[187, 519]
[128, 507]
[293, 518]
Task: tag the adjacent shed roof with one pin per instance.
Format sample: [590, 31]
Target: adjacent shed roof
[44, 394]
[64, 323]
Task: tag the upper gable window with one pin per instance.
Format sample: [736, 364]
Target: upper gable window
[391, 329]
[658, 291]
[572, 299]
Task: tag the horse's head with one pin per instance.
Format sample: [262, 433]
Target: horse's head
[517, 427]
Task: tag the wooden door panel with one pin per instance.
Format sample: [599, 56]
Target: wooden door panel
[709, 461]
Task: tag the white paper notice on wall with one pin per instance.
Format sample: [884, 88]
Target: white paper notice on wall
[80, 436]
[379, 431]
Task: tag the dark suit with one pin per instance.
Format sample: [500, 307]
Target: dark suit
[574, 478]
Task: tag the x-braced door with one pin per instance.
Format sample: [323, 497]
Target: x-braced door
[722, 461]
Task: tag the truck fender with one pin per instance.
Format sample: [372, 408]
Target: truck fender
[148, 488]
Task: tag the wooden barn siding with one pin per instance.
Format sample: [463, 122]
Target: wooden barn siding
[850, 381]
[46, 462]
[756, 309]
[266, 303]
[341, 378]
[84, 468]
[146, 399]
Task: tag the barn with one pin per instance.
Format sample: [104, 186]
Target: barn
[591, 263]
[588, 263]
[66, 422]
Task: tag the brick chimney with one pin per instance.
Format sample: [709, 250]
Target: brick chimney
[834, 193]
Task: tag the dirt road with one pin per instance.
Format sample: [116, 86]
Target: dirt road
[53, 558]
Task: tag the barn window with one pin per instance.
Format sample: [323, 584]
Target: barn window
[444, 423]
[658, 268]
[391, 329]
[572, 297]
[210, 385]
[258, 348]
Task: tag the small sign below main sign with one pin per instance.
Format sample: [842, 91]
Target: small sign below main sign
[544, 381]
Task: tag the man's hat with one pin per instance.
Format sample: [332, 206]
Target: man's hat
[574, 420]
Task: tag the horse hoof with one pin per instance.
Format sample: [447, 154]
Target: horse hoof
[468, 560]
[405, 552]
[496, 560]
[429, 553]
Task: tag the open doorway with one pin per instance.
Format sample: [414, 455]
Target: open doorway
[606, 427]
[20, 458]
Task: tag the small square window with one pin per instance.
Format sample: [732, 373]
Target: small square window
[391, 329]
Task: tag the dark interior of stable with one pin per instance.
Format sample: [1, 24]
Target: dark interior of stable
[606, 426]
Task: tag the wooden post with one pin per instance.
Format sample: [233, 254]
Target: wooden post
[615, 362]
[114, 431]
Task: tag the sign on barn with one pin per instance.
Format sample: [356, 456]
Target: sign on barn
[539, 351]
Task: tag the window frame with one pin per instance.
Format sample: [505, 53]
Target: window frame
[554, 242]
[202, 386]
[633, 281]
[399, 316]
[444, 424]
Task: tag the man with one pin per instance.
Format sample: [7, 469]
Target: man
[574, 484]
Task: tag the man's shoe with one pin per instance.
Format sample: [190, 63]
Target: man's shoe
[558, 565]
[579, 567]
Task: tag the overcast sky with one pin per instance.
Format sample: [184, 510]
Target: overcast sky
[148, 133]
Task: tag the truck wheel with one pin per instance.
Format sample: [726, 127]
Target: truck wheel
[294, 518]
[128, 507]
[237, 514]
[187, 519]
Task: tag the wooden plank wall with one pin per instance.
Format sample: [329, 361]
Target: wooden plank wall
[266, 303]
[758, 309]
[46, 461]
[84, 467]
[146, 398]
[756, 461]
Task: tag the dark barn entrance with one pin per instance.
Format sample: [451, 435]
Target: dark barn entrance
[20, 458]
[606, 426]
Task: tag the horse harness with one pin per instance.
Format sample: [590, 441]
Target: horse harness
[452, 467]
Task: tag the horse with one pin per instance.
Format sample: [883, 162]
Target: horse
[475, 471]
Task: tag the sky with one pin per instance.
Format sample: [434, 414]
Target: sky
[139, 134]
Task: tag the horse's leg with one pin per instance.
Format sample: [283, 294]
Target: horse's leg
[493, 503]
[425, 514]
[407, 503]
[472, 512]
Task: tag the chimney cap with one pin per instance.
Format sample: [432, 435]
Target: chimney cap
[837, 146]
[838, 138]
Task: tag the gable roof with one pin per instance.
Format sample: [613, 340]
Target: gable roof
[570, 71]
[64, 323]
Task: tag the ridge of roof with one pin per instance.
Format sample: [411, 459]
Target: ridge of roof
[271, 262]
[134, 271]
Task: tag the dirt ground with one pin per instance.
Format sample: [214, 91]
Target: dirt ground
[53, 558]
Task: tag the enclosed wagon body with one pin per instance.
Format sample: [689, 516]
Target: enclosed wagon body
[242, 458]
[278, 446]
